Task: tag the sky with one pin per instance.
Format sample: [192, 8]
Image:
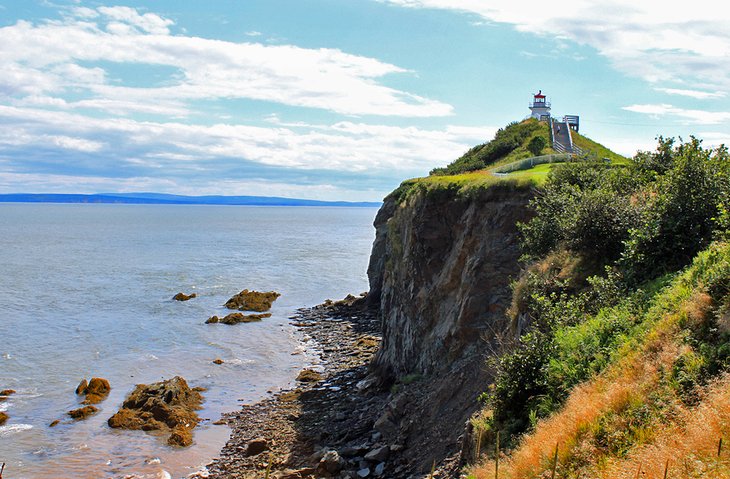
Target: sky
[334, 99]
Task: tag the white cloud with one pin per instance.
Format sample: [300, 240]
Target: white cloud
[682, 42]
[147, 22]
[343, 147]
[697, 94]
[52, 58]
[701, 117]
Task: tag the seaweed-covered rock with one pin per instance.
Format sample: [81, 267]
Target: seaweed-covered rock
[181, 436]
[252, 301]
[184, 297]
[7, 392]
[81, 388]
[235, 318]
[82, 412]
[309, 376]
[166, 405]
[3, 417]
[96, 390]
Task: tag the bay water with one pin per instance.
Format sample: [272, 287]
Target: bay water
[86, 291]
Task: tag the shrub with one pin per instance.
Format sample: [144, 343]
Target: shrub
[536, 145]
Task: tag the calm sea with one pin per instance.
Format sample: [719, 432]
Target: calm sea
[85, 290]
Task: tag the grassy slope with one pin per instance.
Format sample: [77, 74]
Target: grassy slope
[647, 406]
[600, 151]
[464, 184]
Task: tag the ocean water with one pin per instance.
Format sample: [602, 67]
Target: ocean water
[85, 290]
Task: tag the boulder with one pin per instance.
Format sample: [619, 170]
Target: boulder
[256, 446]
[218, 361]
[184, 297]
[82, 412]
[3, 417]
[309, 376]
[166, 405]
[252, 301]
[235, 318]
[379, 454]
[7, 392]
[95, 390]
[331, 463]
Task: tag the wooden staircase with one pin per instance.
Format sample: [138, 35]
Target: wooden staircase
[562, 140]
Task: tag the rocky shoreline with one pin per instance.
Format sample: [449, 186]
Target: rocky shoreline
[334, 427]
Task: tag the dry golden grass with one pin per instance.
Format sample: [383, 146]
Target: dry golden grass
[690, 444]
[628, 381]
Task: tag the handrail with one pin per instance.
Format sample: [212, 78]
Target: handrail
[527, 163]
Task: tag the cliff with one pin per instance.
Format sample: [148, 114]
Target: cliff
[440, 270]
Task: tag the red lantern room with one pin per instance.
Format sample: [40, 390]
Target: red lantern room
[539, 106]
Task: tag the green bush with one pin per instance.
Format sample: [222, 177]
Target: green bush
[505, 141]
[536, 145]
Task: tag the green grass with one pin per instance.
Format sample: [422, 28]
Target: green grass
[464, 184]
[595, 148]
[521, 152]
[537, 174]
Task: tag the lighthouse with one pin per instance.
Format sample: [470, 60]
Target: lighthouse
[540, 107]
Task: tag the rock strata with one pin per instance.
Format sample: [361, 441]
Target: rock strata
[96, 390]
[235, 318]
[164, 406]
[252, 301]
[184, 297]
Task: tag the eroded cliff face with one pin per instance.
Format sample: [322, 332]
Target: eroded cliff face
[440, 271]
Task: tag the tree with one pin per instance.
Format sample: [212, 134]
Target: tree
[536, 145]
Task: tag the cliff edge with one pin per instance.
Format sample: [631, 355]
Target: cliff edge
[440, 271]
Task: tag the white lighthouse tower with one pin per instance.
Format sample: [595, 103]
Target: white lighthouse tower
[540, 107]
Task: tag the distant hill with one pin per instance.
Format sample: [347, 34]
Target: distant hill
[165, 199]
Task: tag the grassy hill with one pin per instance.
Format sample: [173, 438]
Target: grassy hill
[511, 144]
[481, 166]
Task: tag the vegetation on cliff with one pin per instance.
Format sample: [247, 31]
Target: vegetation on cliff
[623, 316]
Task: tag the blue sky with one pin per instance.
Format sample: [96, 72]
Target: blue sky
[334, 99]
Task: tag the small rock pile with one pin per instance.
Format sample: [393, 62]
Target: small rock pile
[94, 391]
[167, 406]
